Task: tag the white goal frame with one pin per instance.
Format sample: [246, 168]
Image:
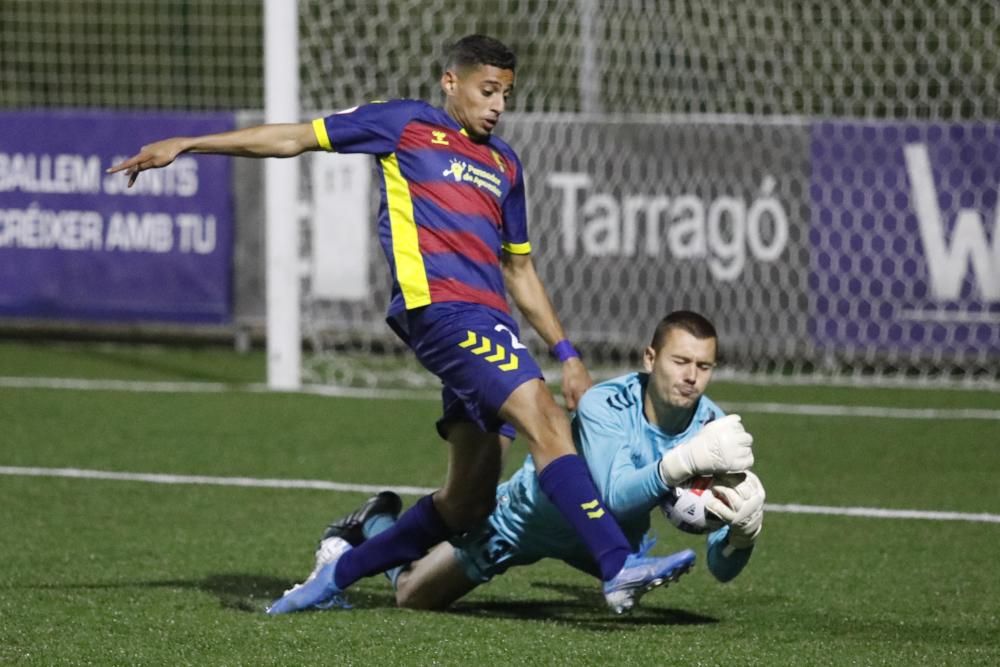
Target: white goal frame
[281, 188]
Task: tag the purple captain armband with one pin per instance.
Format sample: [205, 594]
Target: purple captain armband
[564, 350]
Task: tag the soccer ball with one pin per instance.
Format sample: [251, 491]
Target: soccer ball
[684, 506]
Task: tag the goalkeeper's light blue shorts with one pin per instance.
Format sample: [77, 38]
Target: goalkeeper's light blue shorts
[518, 532]
[475, 352]
[494, 545]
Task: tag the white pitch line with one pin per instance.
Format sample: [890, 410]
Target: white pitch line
[156, 478]
[322, 485]
[114, 385]
[878, 513]
[143, 387]
[419, 394]
[861, 411]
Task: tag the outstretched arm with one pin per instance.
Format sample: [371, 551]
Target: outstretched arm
[530, 297]
[275, 140]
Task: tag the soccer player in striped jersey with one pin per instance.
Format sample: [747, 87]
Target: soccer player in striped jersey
[627, 429]
[453, 227]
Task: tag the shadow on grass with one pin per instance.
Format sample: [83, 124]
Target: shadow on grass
[238, 591]
[244, 592]
[584, 607]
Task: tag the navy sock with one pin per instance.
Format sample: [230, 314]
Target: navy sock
[417, 530]
[379, 524]
[567, 483]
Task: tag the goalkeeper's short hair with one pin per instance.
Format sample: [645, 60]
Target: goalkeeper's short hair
[687, 320]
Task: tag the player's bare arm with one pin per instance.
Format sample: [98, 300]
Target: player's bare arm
[275, 140]
[530, 297]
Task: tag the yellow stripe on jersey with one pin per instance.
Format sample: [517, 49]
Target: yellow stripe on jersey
[319, 127]
[518, 248]
[410, 272]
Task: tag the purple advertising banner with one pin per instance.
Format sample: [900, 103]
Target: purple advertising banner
[75, 243]
[905, 237]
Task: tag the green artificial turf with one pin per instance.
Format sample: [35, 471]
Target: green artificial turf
[133, 573]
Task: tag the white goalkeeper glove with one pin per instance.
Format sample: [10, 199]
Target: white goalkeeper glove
[739, 501]
[721, 446]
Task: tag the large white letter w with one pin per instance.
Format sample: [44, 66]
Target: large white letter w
[948, 266]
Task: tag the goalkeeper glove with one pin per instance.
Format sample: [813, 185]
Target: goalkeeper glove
[740, 503]
[721, 446]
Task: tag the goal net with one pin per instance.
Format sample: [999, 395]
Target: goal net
[819, 178]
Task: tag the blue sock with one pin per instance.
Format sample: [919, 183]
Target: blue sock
[567, 483]
[417, 530]
[376, 524]
[379, 524]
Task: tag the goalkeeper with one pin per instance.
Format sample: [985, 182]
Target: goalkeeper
[641, 434]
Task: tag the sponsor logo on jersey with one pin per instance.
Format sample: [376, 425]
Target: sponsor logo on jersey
[465, 172]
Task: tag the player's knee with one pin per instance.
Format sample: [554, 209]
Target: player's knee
[474, 513]
[546, 419]
[483, 508]
[552, 437]
[409, 600]
[417, 598]
[556, 423]
[466, 513]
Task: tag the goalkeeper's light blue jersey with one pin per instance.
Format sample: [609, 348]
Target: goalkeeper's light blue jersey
[622, 450]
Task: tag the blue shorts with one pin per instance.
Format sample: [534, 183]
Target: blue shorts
[475, 352]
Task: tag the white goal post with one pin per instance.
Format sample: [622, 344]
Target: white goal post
[281, 194]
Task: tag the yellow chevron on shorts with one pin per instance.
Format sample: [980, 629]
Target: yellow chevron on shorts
[510, 365]
[471, 340]
[484, 345]
[590, 506]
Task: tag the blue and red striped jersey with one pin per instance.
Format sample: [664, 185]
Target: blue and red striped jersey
[449, 205]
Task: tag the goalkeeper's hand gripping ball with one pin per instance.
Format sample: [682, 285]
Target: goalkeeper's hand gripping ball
[685, 506]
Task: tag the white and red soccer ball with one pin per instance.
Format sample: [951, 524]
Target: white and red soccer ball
[684, 506]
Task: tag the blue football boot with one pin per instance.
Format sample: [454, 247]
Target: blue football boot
[641, 574]
[318, 591]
